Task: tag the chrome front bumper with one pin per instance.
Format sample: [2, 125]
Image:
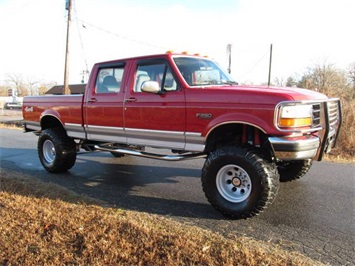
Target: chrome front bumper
[285, 148]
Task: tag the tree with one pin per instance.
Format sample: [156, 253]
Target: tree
[291, 82]
[4, 90]
[351, 75]
[31, 85]
[16, 80]
[44, 87]
[327, 79]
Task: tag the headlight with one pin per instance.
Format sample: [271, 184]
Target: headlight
[295, 116]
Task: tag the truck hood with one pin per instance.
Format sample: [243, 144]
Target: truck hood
[266, 94]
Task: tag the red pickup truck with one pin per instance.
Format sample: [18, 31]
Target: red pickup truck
[252, 137]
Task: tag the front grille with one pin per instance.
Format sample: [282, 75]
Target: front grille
[332, 110]
[316, 113]
[333, 113]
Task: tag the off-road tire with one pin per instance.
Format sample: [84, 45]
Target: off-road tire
[258, 181]
[292, 170]
[56, 151]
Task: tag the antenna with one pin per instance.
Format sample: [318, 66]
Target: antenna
[229, 52]
[268, 82]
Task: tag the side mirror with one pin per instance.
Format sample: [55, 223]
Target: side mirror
[151, 87]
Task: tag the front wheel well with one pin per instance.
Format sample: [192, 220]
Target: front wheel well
[238, 134]
[223, 135]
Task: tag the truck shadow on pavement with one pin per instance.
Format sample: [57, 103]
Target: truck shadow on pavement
[129, 183]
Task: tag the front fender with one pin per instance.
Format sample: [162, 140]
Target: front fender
[237, 118]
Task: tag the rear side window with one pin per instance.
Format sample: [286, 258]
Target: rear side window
[109, 80]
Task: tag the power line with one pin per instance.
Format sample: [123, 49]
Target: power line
[84, 23]
[81, 40]
[257, 63]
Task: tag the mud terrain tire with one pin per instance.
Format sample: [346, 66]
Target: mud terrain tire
[239, 182]
[293, 170]
[56, 151]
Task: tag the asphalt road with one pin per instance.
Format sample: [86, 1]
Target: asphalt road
[314, 215]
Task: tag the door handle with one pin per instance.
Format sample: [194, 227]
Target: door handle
[131, 99]
[92, 100]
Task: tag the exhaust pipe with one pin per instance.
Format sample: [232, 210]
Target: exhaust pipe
[179, 157]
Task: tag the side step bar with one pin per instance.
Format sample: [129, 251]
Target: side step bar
[163, 157]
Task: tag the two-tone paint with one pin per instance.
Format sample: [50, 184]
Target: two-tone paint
[180, 120]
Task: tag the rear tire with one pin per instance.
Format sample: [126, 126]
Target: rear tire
[292, 170]
[239, 182]
[56, 151]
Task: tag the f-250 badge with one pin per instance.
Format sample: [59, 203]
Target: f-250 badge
[204, 115]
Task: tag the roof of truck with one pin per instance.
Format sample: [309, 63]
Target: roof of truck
[166, 55]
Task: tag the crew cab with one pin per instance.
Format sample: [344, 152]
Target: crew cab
[187, 107]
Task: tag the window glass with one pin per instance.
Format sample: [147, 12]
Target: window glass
[109, 80]
[159, 72]
[201, 72]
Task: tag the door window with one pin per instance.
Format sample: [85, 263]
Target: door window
[155, 71]
[109, 80]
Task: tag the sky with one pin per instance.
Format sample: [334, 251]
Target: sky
[303, 33]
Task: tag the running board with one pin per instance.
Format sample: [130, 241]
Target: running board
[180, 157]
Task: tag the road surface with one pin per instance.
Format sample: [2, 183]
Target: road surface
[314, 215]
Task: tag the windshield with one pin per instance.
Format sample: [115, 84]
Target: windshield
[200, 72]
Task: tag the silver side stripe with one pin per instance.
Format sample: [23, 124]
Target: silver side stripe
[191, 141]
[32, 125]
[104, 133]
[75, 130]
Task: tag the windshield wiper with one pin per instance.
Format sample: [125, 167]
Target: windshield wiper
[229, 82]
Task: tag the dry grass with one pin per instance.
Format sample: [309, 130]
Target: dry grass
[346, 143]
[37, 228]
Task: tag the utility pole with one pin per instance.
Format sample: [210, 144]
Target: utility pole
[229, 52]
[268, 82]
[66, 67]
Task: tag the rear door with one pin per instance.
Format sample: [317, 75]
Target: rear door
[156, 120]
[103, 105]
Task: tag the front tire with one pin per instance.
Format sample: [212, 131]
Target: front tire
[292, 170]
[239, 182]
[56, 151]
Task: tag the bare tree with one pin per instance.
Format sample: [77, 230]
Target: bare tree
[327, 79]
[31, 85]
[351, 75]
[4, 90]
[16, 80]
[279, 82]
[44, 87]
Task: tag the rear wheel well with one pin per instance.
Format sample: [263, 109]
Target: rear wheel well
[50, 122]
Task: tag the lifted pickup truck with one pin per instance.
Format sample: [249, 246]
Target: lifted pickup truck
[252, 137]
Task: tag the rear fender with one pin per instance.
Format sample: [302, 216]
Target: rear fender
[50, 119]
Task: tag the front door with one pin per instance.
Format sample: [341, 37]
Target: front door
[156, 120]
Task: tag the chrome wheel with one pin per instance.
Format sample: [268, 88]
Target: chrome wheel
[49, 151]
[233, 183]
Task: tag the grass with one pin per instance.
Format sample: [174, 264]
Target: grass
[45, 224]
[346, 142]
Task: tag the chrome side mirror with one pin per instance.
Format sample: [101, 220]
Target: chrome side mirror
[151, 87]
